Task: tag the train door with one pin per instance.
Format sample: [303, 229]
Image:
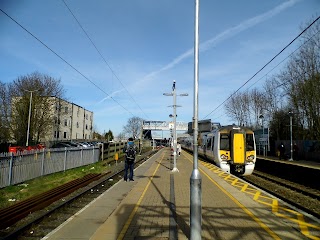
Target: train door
[238, 147]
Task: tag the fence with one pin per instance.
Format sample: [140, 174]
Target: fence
[18, 168]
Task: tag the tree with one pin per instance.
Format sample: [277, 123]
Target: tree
[41, 121]
[301, 83]
[133, 127]
[4, 114]
[109, 135]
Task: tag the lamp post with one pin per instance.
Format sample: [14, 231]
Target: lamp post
[195, 178]
[174, 94]
[291, 150]
[29, 117]
[263, 142]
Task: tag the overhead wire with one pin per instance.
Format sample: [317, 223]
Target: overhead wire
[65, 61]
[281, 84]
[263, 67]
[112, 71]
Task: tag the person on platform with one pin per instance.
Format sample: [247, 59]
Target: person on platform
[130, 150]
[178, 149]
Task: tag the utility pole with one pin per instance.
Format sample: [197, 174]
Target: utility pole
[291, 150]
[174, 94]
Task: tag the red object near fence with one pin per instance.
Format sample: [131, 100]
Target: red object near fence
[16, 149]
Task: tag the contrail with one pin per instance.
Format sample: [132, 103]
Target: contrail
[205, 46]
[110, 95]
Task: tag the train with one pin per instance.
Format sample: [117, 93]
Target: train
[231, 147]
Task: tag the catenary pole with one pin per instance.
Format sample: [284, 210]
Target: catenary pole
[195, 179]
[175, 169]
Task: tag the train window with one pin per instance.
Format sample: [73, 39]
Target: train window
[208, 143]
[224, 142]
[212, 144]
[249, 142]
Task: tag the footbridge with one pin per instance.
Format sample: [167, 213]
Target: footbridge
[164, 125]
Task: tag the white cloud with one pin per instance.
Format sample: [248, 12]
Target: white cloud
[205, 46]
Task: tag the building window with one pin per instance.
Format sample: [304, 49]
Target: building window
[87, 126]
[64, 134]
[65, 122]
[66, 110]
[55, 134]
[77, 125]
[87, 116]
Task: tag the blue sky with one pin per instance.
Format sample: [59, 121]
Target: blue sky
[147, 44]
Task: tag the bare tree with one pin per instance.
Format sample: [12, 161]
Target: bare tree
[42, 88]
[301, 82]
[133, 127]
[4, 114]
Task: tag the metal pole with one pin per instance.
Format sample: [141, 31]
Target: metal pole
[264, 143]
[291, 150]
[175, 169]
[28, 131]
[195, 179]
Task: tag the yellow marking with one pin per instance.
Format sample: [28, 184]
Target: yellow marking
[256, 219]
[274, 204]
[244, 188]
[257, 195]
[227, 177]
[303, 227]
[128, 222]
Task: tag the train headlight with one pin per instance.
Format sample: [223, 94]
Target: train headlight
[250, 158]
[223, 157]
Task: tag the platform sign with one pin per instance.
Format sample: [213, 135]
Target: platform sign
[203, 126]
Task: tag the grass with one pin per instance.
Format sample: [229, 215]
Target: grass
[12, 194]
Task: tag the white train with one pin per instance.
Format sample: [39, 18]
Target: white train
[232, 148]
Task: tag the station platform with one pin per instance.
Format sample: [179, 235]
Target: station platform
[157, 206]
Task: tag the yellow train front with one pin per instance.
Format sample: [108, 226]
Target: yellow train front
[232, 148]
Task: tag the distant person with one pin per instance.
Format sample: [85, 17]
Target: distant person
[282, 150]
[179, 149]
[130, 149]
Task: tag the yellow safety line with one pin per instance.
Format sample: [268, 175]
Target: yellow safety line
[128, 222]
[258, 197]
[256, 219]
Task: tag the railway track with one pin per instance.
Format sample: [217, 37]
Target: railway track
[52, 208]
[302, 197]
[306, 191]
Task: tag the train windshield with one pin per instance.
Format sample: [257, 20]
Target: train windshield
[249, 142]
[224, 142]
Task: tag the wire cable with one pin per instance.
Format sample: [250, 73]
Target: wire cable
[281, 84]
[102, 56]
[263, 67]
[51, 50]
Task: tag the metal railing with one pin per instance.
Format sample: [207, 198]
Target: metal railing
[17, 168]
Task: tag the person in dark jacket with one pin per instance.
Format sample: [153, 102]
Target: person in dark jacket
[130, 149]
